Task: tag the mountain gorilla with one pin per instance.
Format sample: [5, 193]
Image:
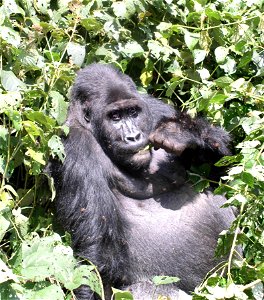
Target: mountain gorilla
[128, 206]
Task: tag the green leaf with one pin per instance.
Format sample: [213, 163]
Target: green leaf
[10, 36]
[7, 291]
[248, 178]
[229, 66]
[42, 6]
[191, 39]
[56, 147]
[6, 273]
[4, 225]
[15, 117]
[171, 86]
[212, 14]
[46, 257]
[238, 84]
[164, 26]
[3, 134]
[40, 118]
[91, 24]
[159, 50]
[132, 49]
[228, 160]
[258, 60]
[51, 186]
[146, 77]
[199, 55]
[221, 54]
[59, 107]
[224, 243]
[37, 156]
[160, 280]
[44, 291]
[32, 129]
[218, 98]
[257, 173]
[84, 275]
[199, 182]
[122, 295]
[2, 164]
[147, 73]
[10, 100]
[258, 291]
[119, 9]
[236, 170]
[31, 60]
[245, 60]
[76, 52]
[223, 82]
[10, 82]
[12, 8]
[204, 74]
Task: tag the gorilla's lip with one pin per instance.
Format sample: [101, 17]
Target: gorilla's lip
[142, 149]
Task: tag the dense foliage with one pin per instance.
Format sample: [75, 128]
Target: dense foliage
[204, 56]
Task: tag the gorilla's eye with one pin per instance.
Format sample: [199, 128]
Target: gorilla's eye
[133, 112]
[115, 116]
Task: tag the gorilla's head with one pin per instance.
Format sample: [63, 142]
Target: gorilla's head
[117, 115]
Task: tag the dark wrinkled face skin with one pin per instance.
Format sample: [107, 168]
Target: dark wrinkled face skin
[124, 133]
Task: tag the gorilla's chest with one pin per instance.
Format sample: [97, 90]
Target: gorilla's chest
[174, 234]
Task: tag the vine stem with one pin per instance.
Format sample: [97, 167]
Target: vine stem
[100, 279]
[7, 160]
[217, 26]
[233, 250]
[56, 66]
[251, 284]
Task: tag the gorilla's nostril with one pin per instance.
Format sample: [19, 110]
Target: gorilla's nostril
[138, 137]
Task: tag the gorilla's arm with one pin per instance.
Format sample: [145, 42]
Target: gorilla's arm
[87, 207]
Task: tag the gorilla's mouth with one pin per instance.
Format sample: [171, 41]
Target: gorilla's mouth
[143, 152]
[146, 149]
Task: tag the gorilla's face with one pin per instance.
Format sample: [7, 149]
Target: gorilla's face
[125, 128]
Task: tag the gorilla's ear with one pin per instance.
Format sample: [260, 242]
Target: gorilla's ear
[78, 115]
[87, 116]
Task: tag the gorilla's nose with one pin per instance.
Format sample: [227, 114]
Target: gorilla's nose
[133, 137]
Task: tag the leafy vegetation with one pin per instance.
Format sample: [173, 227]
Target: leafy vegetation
[204, 56]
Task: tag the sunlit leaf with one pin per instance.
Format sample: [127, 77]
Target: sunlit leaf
[56, 147]
[122, 295]
[4, 224]
[132, 49]
[191, 39]
[160, 280]
[76, 52]
[199, 55]
[37, 156]
[119, 9]
[229, 66]
[10, 82]
[10, 36]
[221, 54]
[59, 107]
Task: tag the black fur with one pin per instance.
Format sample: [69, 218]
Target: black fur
[129, 210]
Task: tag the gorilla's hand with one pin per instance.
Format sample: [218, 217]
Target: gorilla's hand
[169, 136]
[175, 135]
